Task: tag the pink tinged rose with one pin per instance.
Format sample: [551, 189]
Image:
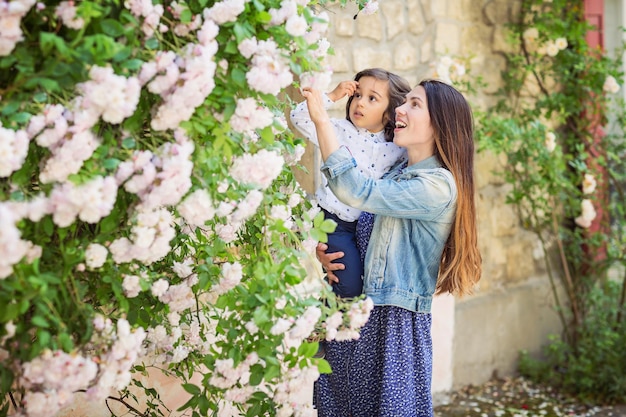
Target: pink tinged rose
[95, 255]
[588, 214]
[258, 169]
[131, 286]
[610, 85]
[589, 184]
[550, 141]
[248, 47]
[13, 150]
[197, 208]
[296, 25]
[159, 287]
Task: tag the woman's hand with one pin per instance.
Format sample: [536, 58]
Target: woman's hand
[326, 261]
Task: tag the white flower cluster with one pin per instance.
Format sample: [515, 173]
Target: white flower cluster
[449, 70]
[288, 392]
[551, 48]
[161, 178]
[550, 141]
[225, 11]
[11, 13]
[588, 212]
[270, 71]
[226, 375]
[118, 352]
[151, 14]
[150, 238]
[610, 85]
[13, 150]
[197, 208]
[68, 136]
[110, 96]
[66, 11]
[249, 115]
[90, 201]
[258, 169]
[181, 28]
[184, 81]
[51, 380]
[95, 255]
[357, 316]
[67, 133]
[12, 247]
[230, 278]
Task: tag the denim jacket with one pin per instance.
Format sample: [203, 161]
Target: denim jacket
[415, 208]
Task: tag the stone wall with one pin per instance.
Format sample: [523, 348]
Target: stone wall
[512, 309]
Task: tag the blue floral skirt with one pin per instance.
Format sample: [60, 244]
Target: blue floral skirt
[385, 373]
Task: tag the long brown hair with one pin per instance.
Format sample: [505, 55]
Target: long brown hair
[452, 122]
[398, 89]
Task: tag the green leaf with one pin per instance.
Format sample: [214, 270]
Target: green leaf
[21, 117]
[40, 97]
[323, 366]
[192, 389]
[111, 163]
[112, 27]
[185, 16]
[152, 43]
[129, 143]
[238, 77]
[39, 321]
[132, 64]
[49, 42]
[10, 107]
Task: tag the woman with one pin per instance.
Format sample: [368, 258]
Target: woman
[423, 242]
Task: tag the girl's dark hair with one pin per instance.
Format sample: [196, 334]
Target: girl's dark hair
[453, 127]
[398, 89]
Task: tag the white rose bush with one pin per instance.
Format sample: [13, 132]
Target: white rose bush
[150, 220]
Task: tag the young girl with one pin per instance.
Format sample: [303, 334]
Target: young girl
[367, 131]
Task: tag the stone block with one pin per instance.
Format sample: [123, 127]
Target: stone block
[447, 39]
[405, 55]
[339, 61]
[368, 58]
[492, 328]
[370, 26]
[497, 11]
[520, 261]
[394, 14]
[416, 17]
[343, 25]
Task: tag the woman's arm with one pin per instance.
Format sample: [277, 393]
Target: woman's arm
[326, 259]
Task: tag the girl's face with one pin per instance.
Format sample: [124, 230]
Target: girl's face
[413, 129]
[369, 104]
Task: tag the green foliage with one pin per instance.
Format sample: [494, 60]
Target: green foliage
[593, 368]
[561, 128]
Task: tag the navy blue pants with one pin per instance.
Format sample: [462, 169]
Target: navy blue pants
[343, 239]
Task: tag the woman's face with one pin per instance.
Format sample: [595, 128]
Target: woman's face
[369, 104]
[413, 129]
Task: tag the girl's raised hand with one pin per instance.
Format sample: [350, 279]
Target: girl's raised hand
[345, 88]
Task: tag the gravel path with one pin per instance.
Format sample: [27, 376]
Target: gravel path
[518, 397]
